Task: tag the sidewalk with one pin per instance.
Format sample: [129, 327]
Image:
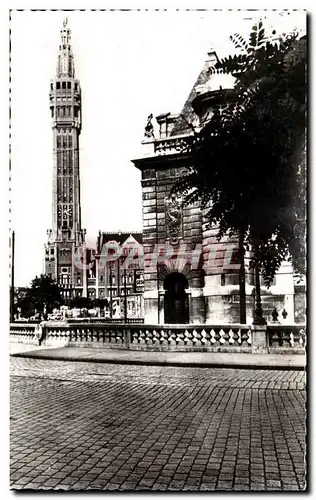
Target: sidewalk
[189, 359]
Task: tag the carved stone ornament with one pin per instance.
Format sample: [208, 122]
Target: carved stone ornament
[173, 209]
[149, 128]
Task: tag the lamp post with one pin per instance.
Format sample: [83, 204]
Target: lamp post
[258, 316]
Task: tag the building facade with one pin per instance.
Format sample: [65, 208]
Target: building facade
[198, 281]
[66, 237]
[181, 273]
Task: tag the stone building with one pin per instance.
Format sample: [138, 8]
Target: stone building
[80, 271]
[66, 237]
[116, 273]
[202, 288]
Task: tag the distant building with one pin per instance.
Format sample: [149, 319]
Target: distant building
[117, 273]
[66, 237]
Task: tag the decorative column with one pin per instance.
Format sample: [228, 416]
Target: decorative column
[161, 307]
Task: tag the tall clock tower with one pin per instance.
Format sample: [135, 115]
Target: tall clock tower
[66, 236]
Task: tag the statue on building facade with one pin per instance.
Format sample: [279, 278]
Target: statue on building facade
[149, 128]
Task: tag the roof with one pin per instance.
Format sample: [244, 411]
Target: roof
[187, 114]
[120, 237]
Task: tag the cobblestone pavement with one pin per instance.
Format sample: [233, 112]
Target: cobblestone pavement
[81, 425]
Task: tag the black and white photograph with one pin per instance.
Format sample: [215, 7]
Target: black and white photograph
[157, 268]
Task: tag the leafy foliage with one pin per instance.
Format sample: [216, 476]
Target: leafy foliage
[43, 293]
[248, 161]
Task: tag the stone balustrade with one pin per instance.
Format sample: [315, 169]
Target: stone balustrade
[212, 338]
[23, 333]
[192, 338]
[171, 145]
[284, 337]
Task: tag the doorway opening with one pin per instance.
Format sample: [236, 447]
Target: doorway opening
[176, 301]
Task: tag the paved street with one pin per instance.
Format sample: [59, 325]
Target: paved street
[79, 425]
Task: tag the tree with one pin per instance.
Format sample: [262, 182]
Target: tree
[248, 161]
[43, 294]
[81, 302]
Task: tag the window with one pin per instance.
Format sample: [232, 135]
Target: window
[57, 85]
[222, 279]
[63, 85]
[52, 112]
[70, 141]
[76, 112]
[58, 141]
[68, 85]
[52, 251]
[76, 86]
[101, 279]
[51, 86]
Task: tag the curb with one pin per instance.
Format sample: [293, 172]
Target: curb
[160, 363]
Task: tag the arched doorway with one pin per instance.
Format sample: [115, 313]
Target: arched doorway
[176, 303]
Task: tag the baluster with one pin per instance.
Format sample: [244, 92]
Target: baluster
[180, 338]
[149, 337]
[274, 338]
[141, 337]
[302, 337]
[156, 337]
[187, 337]
[249, 337]
[244, 337]
[285, 338]
[171, 337]
[213, 336]
[163, 337]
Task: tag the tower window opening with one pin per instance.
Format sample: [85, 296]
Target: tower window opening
[69, 85]
[52, 112]
[51, 86]
[64, 85]
[76, 112]
[222, 279]
[76, 86]
[58, 85]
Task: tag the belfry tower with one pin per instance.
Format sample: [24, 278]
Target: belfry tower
[66, 235]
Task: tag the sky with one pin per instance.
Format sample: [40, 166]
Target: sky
[129, 64]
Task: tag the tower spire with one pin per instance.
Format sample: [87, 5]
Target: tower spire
[65, 62]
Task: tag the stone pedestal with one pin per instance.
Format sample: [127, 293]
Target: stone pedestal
[151, 308]
[259, 341]
[196, 307]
